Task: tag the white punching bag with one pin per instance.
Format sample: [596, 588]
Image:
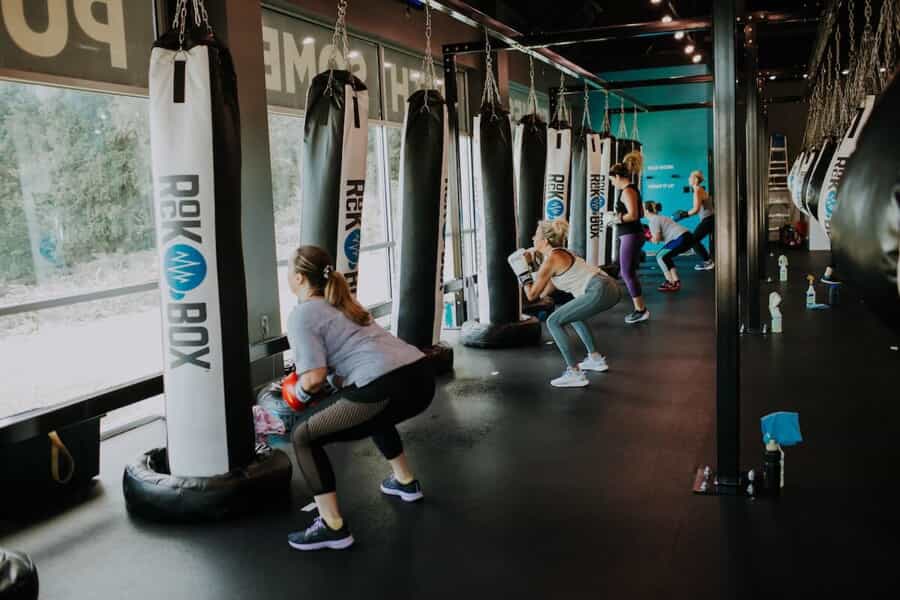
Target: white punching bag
[195, 141]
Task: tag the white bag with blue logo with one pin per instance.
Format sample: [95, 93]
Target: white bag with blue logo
[196, 150]
[829, 193]
[559, 161]
[598, 153]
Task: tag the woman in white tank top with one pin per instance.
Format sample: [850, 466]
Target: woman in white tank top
[594, 292]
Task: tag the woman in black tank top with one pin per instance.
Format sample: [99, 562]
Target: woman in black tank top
[629, 230]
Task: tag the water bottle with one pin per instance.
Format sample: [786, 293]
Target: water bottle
[772, 480]
[810, 292]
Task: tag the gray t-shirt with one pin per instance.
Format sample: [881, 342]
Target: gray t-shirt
[322, 336]
[665, 228]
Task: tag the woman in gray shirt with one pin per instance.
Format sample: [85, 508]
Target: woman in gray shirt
[383, 381]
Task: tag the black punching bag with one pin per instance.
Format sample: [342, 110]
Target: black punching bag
[866, 222]
[531, 159]
[335, 141]
[209, 468]
[578, 199]
[417, 307]
[500, 322]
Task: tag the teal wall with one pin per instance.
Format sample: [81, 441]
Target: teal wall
[675, 142]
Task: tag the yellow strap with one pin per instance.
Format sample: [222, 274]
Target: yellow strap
[57, 447]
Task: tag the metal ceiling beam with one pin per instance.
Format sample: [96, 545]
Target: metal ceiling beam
[666, 107]
[640, 83]
[608, 33]
[465, 13]
[676, 80]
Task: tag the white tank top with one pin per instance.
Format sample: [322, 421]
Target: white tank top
[576, 278]
[706, 207]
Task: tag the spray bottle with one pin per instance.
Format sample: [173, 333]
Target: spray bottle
[811, 292]
[775, 312]
[783, 265]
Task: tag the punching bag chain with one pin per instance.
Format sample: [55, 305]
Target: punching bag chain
[586, 116]
[339, 36]
[634, 126]
[562, 110]
[839, 88]
[491, 92]
[607, 126]
[180, 21]
[623, 128]
[532, 94]
[428, 62]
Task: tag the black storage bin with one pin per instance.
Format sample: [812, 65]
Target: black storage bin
[26, 473]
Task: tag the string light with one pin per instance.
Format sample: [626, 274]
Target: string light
[689, 49]
[655, 1]
[697, 58]
[667, 19]
[772, 77]
[679, 35]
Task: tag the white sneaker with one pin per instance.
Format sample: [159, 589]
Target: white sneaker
[594, 364]
[571, 378]
[707, 265]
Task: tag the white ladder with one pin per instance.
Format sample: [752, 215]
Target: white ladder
[778, 163]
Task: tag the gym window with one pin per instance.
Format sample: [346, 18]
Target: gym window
[78, 263]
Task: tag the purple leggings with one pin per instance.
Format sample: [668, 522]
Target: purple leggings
[629, 255]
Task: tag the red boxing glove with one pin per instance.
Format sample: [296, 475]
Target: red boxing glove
[289, 392]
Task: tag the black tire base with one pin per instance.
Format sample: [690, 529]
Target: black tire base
[151, 492]
[526, 332]
[18, 576]
[440, 357]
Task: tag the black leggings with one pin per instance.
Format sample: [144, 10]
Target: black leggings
[372, 410]
[705, 228]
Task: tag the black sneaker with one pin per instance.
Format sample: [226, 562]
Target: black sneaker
[319, 536]
[409, 492]
[637, 316]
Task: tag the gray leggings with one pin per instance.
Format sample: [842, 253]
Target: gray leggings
[602, 293]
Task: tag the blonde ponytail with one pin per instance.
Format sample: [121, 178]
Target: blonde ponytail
[556, 232]
[338, 294]
[634, 162]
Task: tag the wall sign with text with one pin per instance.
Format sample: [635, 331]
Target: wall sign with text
[99, 40]
[295, 51]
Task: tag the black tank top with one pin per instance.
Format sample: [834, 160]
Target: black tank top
[633, 226]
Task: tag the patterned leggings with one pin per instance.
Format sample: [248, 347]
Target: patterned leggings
[372, 410]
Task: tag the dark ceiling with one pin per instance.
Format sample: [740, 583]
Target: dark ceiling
[783, 47]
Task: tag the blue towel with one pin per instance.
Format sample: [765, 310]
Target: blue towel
[783, 427]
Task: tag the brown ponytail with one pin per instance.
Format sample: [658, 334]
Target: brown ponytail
[315, 265]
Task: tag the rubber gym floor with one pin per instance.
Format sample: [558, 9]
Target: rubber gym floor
[534, 492]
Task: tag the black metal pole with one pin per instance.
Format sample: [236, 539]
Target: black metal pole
[764, 197]
[727, 318]
[753, 196]
[455, 199]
